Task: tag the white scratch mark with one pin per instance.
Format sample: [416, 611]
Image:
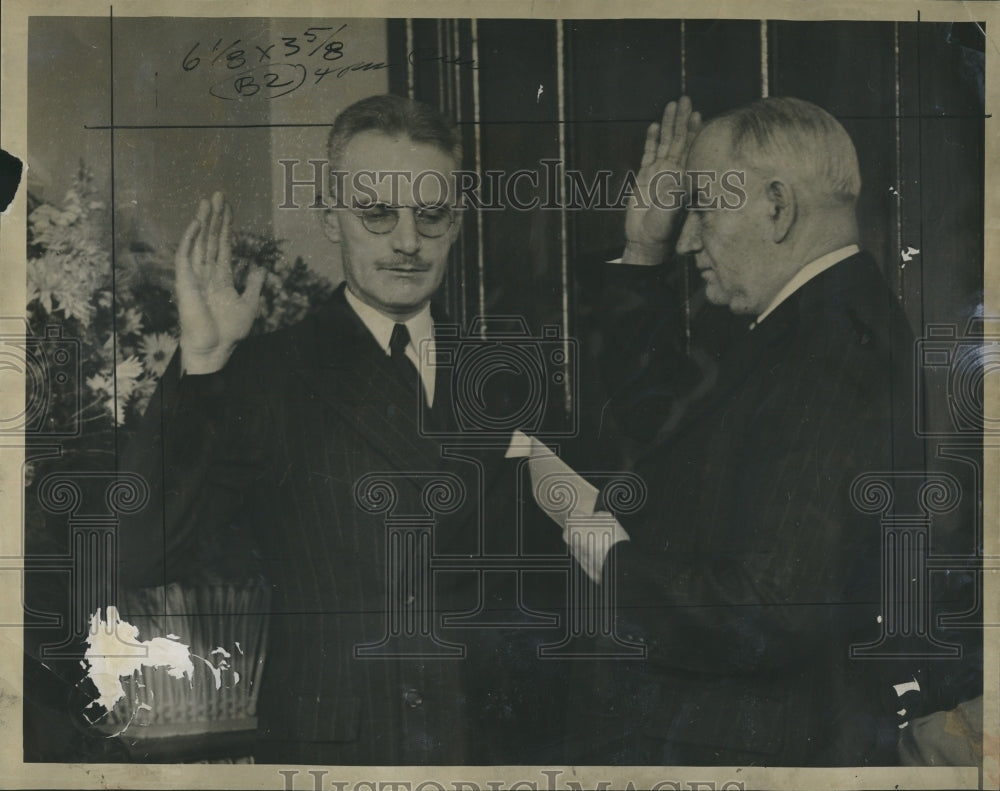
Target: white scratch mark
[541, 90]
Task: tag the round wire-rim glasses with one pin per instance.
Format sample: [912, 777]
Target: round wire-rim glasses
[382, 218]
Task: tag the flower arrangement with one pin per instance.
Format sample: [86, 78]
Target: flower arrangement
[123, 316]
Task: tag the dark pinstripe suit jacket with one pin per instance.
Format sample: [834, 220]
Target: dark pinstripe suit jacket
[749, 572]
[254, 470]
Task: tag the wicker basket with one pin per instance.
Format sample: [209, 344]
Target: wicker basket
[213, 714]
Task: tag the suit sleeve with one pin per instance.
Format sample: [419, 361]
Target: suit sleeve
[200, 450]
[633, 365]
[785, 563]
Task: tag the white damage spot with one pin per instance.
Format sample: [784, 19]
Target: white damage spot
[909, 686]
[114, 650]
[908, 253]
[216, 671]
[223, 665]
[538, 96]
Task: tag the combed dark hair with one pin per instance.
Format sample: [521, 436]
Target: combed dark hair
[782, 130]
[393, 115]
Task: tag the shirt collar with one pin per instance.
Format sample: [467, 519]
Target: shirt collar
[421, 326]
[805, 274]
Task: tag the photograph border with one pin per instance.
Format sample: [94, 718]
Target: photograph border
[13, 138]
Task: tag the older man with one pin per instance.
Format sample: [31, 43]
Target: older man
[749, 573]
[264, 444]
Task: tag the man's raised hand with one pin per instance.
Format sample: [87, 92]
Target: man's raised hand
[214, 316]
[650, 219]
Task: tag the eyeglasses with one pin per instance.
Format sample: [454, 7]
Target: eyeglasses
[381, 218]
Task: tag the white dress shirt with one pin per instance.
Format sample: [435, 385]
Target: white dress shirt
[421, 329]
[804, 275]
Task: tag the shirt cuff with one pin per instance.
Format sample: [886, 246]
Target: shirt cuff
[591, 538]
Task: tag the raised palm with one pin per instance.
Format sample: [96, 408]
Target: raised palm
[650, 219]
[214, 317]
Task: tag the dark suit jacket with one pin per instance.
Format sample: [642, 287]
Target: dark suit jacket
[750, 572]
[254, 470]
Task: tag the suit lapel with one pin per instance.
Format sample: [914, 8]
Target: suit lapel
[739, 363]
[344, 365]
[808, 303]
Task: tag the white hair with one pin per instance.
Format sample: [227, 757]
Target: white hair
[781, 132]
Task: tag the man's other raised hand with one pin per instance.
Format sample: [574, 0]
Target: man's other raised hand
[214, 317]
[649, 219]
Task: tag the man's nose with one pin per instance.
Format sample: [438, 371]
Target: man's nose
[405, 238]
[690, 238]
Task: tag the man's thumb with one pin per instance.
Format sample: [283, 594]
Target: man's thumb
[255, 282]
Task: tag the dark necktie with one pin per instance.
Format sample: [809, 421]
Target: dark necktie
[398, 342]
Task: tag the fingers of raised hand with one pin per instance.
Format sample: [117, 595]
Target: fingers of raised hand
[652, 141]
[694, 127]
[218, 209]
[183, 257]
[251, 292]
[680, 137]
[667, 130]
[222, 272]
[197, 256]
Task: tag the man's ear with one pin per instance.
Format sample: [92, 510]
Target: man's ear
[329, 219]
[782, 209]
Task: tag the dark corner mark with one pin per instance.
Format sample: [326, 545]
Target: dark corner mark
[11, 169]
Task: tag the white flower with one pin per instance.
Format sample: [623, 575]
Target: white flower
[144, 390]
[115, 406]
[51, 282]
[42, 219]
[157, 348]
[126, 372]
[46, 280]
[99, 383]
[130, 321]
[118, 389]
